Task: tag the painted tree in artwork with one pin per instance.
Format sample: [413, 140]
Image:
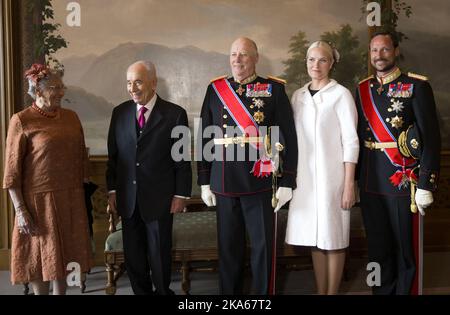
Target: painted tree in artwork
[295, 70]
[391, 10]
[350, 68]
[347, 71]
[47, 41]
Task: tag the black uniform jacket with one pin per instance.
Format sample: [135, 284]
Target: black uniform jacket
[403, 100]
[230, 177]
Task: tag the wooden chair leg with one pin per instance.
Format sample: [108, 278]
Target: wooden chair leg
[119, 272]
[111, 285]
[186, 281]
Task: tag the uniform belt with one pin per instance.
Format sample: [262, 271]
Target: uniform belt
[380, 145]
[238, 140]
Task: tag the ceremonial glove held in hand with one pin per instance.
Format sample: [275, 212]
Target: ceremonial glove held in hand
[208, 196]
[283, 195]
[424, 199]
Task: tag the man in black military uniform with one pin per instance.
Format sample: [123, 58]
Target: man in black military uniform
[398, 131]
[238, 106]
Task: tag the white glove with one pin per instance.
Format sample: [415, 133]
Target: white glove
[283, 195]
[424, 199]
[208, 196]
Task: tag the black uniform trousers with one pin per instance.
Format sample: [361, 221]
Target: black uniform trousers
[388, 225]
[148, 253]
[235, 216]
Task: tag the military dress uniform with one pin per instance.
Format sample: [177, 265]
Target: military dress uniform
[243, 199]
[398, 131]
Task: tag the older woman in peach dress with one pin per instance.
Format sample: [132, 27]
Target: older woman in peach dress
[45, 165]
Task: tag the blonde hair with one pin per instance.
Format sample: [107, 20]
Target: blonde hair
[332, 52]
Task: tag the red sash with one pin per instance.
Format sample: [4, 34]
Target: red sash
[236, 108]
[263, 167]
[382, 134]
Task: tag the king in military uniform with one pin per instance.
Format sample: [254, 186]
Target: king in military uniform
[242, 187]
[400, 151]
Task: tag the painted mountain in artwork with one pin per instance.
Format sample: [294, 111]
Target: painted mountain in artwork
[183, 73]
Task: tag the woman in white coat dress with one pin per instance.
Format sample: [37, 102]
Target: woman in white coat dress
[326, 119]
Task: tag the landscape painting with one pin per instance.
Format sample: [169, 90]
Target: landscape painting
[188, 41]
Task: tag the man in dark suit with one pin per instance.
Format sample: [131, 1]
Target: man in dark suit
[146, 184]
[391, 105]
[240, 107]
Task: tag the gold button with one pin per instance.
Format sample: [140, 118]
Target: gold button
[225, 116]
[225, 126]
[388, 119]
[433, 176]
[382, 150]
[368, 129]
[252, 106]
[390, 110]
[371, 85]
[370, 139]
[432, 180]
[226, 136]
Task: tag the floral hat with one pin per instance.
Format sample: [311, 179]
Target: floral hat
[37, 72]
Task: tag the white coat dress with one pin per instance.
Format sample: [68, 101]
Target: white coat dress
[327, 137]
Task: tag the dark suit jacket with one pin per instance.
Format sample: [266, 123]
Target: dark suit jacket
[141, 169]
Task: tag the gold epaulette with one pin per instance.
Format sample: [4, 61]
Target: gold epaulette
[219, 78]
[417, 76]
[368, 78]
[279, 80]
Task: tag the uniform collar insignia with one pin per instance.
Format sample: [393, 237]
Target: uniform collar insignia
[391, 76]
[246, 81]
